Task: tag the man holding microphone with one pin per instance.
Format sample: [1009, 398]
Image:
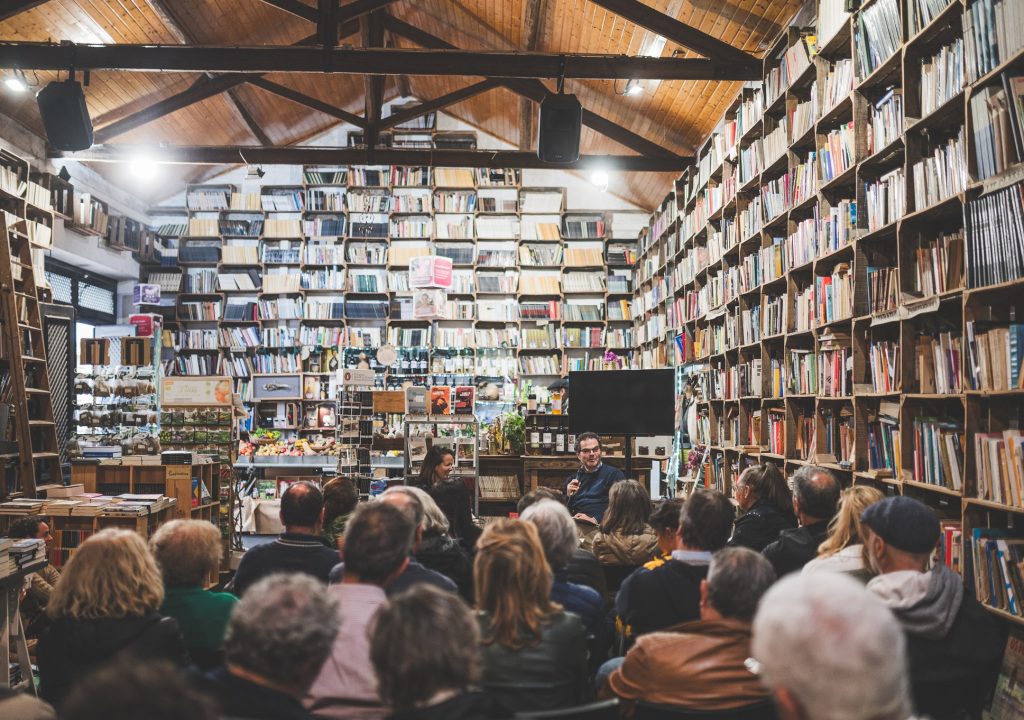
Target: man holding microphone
[587, 490]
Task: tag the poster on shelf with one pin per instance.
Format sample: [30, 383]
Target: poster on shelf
[146, 324]
[195, 391]
[357, 376]
[430, 271]
[146, 294]
[428, 304]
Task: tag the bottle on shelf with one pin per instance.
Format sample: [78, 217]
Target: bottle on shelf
[531, 403]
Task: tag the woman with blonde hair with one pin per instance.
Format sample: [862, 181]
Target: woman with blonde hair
[843, 549]
[104, 607]
[626, 537]
[534, 652]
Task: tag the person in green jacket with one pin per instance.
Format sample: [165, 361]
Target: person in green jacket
[189, 553]
[340, 499]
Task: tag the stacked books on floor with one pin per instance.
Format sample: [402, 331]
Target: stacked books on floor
[22, 554]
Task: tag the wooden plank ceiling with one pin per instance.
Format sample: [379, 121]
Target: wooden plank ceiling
[674, 114]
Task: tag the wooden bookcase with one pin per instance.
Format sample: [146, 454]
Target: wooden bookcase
[712, 291]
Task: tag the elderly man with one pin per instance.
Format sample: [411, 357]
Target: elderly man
[378, 539]
[655, 599]
[277, 640]
[699, 665]
[587, 490]
[827, 650]
[815, 499]
[954, 646]
[300, 548]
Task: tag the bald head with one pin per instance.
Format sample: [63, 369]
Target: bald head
[408, 503]
[815, 494]
[302, 506]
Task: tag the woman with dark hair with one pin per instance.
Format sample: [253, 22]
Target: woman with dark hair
[423, 674]
[535, 653]
[763, 495]
[626, 538]
[340, 499]
[450, 494]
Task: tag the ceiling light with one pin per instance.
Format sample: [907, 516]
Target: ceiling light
[599, 178]
[16, 82]
[143, 168]
[254, 172]
[634, 88]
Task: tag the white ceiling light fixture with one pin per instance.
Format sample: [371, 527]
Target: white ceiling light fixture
[16, 82]
[143, 168]
[653, 45]
[634, 87]
[600, 178]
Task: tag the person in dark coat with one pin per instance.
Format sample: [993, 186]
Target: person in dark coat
[450, 493]
[103, 608]
[763, 495]
[436, 548]
[815, 501]
[954, 647]
[424, 674]
[669, 594]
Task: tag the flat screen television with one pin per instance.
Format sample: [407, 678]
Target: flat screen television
[622, 402]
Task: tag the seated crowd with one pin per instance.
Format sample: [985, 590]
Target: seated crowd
[815, 603]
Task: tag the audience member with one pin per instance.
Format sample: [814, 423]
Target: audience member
[763, 495]
[815, 497]
[104, 606]
[557, 533]
[953, 645]
[277, 640]
[699, 665]
[655, 599]
[425, 674]
[450, 494]
[129, 690]
[436, 549]
[340, 499]
[626, 538]
[588, 489]
[41, 582]
[827, 650]
[583, 568]
[377, 543]
[16, 705]
[300, 548]
[665, 521]
[188, 553]
[414, 572]
[843, 549]
[534, 653]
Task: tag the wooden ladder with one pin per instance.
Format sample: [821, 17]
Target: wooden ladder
[25, 352]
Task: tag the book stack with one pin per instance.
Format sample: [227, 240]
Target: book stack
[997, 114]
[884, 366]
[883, 432]
[995, 237]
[938, 452]
[938, 363]
[882, 289]
[996, 558]
[995, 355]
[999, 467]
[877, 35]
[938, 263]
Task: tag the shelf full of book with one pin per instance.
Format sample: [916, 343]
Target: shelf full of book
[853, 296]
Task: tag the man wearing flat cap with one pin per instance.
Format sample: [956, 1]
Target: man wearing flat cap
[954, 646]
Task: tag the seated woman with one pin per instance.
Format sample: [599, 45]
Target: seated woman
[41, 582]
[763, 495]
[340, 499]
[423, 674]
[843, 549]
[534, 652]
[626, 538]
[665, 521]
[188, 554]
[103, 607]
[450, 494]
[438, 550]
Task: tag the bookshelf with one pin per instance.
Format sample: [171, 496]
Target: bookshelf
[852, 292]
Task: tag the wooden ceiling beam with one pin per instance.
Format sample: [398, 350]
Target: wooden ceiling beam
[437, 103]
[360, 61]
[10, 8]
[294, 7]
[535, 90]
[327, 22]
[310, 102]
[536, 11]
[373, 37]
[248, 119]
[680, 33]
[358, 8]
[308, 155]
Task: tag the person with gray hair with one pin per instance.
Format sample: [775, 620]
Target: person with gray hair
[700, 665]
[188, 553]
[558, 537]
[437, 549]
[828, 650]
[815, 501]
[277, 639]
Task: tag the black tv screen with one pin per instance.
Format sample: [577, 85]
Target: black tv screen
[622, 402]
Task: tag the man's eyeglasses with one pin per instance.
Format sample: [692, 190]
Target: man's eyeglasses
[589, 451]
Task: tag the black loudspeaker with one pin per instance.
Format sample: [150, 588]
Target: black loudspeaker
[65, 116]
[561, 118]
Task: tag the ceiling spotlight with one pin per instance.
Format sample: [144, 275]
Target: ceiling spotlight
[16, 82]
[255, 172]
[599, 178]
[633, 87]
[143, 168]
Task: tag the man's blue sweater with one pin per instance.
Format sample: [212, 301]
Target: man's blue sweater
[592, 497]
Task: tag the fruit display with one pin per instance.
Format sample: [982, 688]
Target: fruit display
[264, 444]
